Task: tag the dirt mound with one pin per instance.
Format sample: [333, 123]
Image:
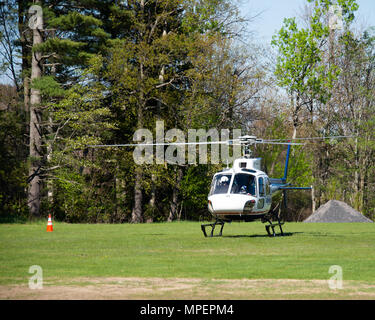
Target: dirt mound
[336, 211]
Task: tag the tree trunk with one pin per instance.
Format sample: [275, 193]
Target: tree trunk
[296, 109]
[26, 94]
[137, 212]
[35, 131]
[49, 143]
[152, 201]
[25, 52]
[173, 212]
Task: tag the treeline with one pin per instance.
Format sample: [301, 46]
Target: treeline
[92, 72]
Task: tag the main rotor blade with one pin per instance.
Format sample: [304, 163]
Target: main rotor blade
[156, 144]
[230, 142]
[312, 138]
[284, 143]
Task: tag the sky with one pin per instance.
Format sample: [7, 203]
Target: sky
[271, 13]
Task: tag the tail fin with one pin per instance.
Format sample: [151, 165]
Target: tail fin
[286, 164]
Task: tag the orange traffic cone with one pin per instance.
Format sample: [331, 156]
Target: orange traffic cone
[49, 224]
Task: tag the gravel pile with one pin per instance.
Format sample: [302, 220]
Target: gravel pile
[336, 211]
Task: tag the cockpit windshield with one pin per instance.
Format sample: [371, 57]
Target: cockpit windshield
[220, 183]
[244, 184]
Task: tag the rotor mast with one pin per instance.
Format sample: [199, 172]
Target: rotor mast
[247, 142]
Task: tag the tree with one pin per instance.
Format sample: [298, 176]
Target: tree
[306, 68]
[56, 50]
[13, 167]
[35, 115]
[354, 115]
[166, 67]
[83, 177]
[8, 37]
[298, 67]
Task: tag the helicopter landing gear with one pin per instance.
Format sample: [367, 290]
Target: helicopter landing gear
[272, 226]
[213, 225]
[268, 218]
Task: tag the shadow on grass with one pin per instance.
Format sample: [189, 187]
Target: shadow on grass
[286, 234]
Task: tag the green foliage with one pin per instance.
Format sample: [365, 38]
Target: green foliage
[82, 177]
[113, 67]
[13, 169]
[48, 87]
[353, 177]
[330, 74]
[195, 188]
[202, 16]
[298, 66]
[348, 7]
[77, 22]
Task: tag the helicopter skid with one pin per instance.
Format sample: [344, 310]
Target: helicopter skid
[220, 220]
[213, 225]
[272, 226]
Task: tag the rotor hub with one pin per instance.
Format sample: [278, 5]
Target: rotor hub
[247, 142]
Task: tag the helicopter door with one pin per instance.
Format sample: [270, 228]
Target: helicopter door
[262, 193]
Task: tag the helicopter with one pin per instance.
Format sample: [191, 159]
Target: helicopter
[245, 192]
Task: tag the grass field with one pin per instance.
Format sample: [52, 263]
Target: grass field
[152, 255]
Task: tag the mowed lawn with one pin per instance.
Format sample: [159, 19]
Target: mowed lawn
[179, 250]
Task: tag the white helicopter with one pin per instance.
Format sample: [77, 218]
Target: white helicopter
[244, 192]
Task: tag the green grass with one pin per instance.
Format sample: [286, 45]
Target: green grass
[179, 249]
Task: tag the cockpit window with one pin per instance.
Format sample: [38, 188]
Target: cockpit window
[244, 184]
[220, 183]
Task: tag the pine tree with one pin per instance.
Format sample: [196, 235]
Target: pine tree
[58, 46]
